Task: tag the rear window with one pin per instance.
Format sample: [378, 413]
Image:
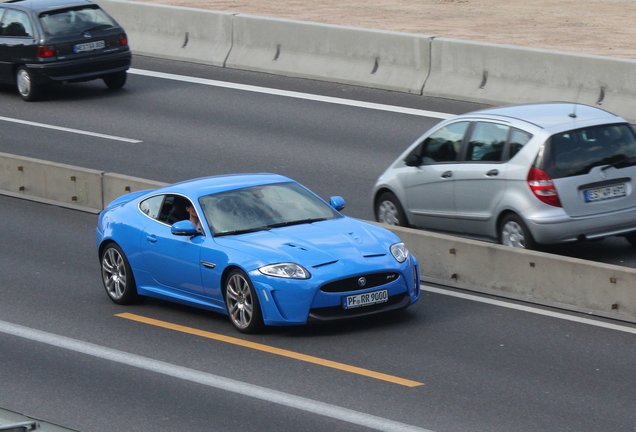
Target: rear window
[74, 21]
[577, 151]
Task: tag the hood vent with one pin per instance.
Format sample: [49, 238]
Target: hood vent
[324, 264]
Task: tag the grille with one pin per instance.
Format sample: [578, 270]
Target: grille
[372, 280]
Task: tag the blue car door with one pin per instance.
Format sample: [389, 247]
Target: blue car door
[173, 261]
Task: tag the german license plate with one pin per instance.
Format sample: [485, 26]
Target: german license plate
[605, 193]
[366, 299]
[89, 46]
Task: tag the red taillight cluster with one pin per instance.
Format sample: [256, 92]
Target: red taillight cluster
[542, 187]
[123, 39]
[44, 51]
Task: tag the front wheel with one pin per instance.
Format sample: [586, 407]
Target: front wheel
[117, 276]
[388, 210]
[27, 88]
[242, 303]
[115, 80]
[514, 232]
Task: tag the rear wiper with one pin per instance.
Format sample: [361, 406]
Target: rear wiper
[626, 160]
[99, 26]
[296, 222]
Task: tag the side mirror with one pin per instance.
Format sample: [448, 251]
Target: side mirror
[337, 202]
[413, 160]
[184, 228]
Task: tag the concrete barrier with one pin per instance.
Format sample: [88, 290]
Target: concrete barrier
[30, 178]
[536, 277]
[116, 185]
[379, 59]
[501, 74]
[171, 32]
[541, 278]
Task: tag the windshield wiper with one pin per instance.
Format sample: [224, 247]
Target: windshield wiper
[243, 231]
[626, 160]
[296, 222]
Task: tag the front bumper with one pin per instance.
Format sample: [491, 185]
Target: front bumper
[295, 302]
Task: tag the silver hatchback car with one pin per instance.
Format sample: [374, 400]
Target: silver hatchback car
[520, 175]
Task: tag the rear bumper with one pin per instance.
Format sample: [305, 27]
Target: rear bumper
[84, 69]
[565, 229]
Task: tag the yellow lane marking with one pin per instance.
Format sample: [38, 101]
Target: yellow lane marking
[272, 350]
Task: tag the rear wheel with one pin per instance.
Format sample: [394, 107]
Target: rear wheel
[115, 80]
[388, 210]
[242, 303]
[117, 276]
[514, 232]
[27, 88]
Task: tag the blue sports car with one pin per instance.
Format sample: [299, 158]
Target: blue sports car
[260, 248]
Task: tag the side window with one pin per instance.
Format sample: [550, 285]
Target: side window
[443, 145]
[151, 206]
[518, 139]
[174, 209]
[15, 24]
[487, 142]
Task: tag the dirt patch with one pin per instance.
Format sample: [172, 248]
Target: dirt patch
[599, 27]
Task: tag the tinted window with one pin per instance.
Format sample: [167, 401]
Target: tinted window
[487, 142]
[518, 139]
[72, 21]
[443, 145]
[15, 24]
[576, 152]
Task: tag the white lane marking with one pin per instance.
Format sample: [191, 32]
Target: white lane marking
[292, 94]
[530, 309]
[210, 380]
[75, 131]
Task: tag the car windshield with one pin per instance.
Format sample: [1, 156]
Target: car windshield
[264, 207]
[76, 20]
[576, 152]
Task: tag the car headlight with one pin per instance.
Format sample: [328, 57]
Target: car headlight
[399, 252]
[285, 270]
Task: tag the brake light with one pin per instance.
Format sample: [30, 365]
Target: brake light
[44, 51]
[542, 187]
[123, 39]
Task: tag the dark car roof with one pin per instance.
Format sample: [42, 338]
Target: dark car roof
[44, 5]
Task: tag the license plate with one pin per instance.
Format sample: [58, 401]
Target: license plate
[366, 299]
[89, 46]
[604, 193]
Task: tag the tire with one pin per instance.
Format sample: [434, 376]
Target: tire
[117, 276]
[242, 303]
[27, 88]
[388, 210]
[115, 80]
[513, 232]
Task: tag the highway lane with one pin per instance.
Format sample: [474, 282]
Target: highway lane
[188, 130]
[482, 366]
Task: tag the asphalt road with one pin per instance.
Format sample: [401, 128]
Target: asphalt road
[184, 130]
[447, 364]
[468, 365]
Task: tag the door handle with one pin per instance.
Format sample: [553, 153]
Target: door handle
[493, 173]
[447, 174]
[152, 238]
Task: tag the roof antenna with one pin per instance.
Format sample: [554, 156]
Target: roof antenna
[573, 113]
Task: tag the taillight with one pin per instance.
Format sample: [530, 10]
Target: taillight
[123, 39]
[542, 187]
[44, 51]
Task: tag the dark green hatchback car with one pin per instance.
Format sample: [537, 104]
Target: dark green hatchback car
[48, 41]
